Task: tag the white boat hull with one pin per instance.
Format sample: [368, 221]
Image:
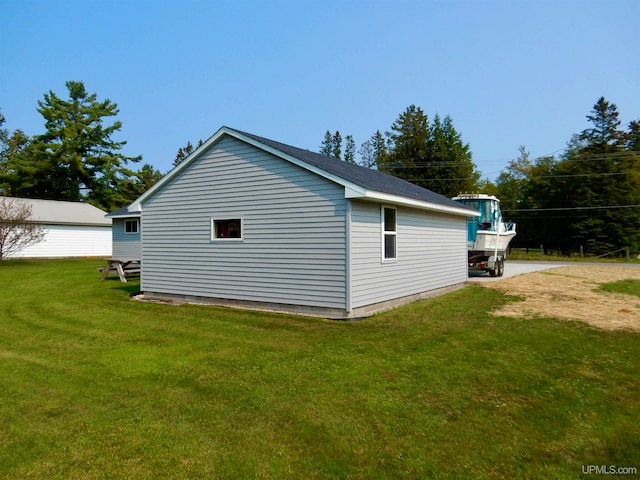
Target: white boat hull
[486, 241]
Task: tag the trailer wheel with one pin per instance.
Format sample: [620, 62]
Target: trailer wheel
[500, 268]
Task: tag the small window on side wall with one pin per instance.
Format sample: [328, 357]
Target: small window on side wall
[390, 233]
[131, 226]
[226, 229]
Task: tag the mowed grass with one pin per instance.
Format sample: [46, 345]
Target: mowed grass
[94, 385]
[628, 287]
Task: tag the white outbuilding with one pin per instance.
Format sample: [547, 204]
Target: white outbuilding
[72, 229]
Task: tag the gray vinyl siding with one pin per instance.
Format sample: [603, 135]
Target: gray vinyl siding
[431, 254]
[293, 227]
[125, 245]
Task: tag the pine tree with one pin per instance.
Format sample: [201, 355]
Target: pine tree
[184, 152]
[409, 139]
[332, 145]
[373, 152]
[76, 158]
[350, 150]
[604, 174]
[140, 182]
[463, 175]
[336, 145]
[430, 155]
[326, 148]
[11, 145]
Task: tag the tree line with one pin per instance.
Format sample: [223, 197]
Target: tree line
[586, 200]
[428, 153]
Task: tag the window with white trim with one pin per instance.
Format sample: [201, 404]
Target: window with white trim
[131, 226]
[390, 233]
[226, 229]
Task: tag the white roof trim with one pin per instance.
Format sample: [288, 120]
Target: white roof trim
[409, 202]
[351, 189]
[127, 215]
[136, 206]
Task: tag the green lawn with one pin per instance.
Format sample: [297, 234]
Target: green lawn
[94, 385]
[628, 287]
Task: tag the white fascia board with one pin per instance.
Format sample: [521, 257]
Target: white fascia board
[410, 202]
[134, 214]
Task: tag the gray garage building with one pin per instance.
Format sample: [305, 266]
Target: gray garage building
[251, 222]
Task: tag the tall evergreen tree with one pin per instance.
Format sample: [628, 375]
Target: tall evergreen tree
[76, 158]
[604, 174]
[139, 183]
[332, 145]
[11, 145]
[373, 152]
[430, 155]
[463, 174]
[336, 145]
[184, 152]
[326, 147]
[409, 139]
[350, 149]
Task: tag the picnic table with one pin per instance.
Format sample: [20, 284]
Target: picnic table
[122, 266]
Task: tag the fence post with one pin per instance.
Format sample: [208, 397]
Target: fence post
[581, 251]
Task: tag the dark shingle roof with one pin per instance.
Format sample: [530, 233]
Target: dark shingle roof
[364, 177]
[122, 212]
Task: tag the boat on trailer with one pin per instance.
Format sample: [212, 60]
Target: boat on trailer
[488, 235]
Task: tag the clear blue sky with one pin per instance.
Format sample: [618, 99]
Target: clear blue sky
[508, 72]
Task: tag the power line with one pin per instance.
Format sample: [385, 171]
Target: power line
[558, 209]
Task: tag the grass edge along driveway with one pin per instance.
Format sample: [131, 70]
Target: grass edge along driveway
[93, 385]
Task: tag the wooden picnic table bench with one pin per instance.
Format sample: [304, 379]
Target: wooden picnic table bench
[122, 266]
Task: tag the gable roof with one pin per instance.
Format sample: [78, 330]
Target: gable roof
[123, 212]
[359, 182]
[56, 212]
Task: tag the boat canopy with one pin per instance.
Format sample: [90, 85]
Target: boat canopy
[490, 218]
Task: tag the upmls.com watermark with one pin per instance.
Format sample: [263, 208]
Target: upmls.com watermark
[608, 470]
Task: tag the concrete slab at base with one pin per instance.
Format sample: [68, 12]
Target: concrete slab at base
[322, 312]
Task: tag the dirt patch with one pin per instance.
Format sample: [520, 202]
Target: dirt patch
[572, 293]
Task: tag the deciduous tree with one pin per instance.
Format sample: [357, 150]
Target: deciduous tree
[17, 231]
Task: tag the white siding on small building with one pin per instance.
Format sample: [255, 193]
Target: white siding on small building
[431, 253]
[71, 241]
[293, 248]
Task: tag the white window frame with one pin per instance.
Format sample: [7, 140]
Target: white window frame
[226, 218]
[386, 233]
[136, 222]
